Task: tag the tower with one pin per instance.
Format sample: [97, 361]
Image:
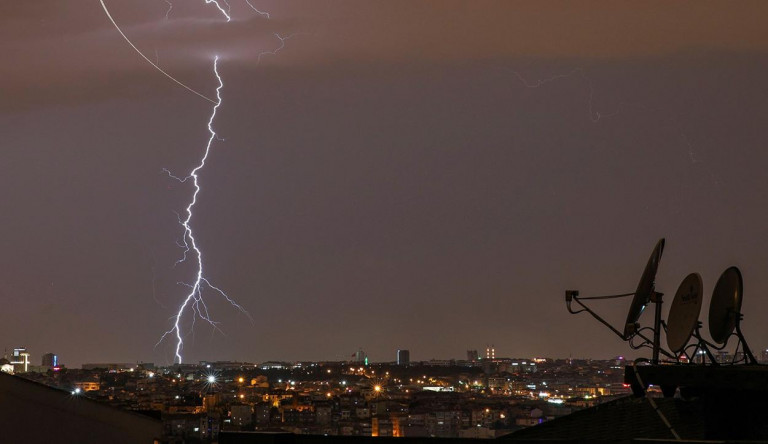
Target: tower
[403, 357]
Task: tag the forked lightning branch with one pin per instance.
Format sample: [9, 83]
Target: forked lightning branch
[194, 306]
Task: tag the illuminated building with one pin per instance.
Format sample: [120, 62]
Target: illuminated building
[50, 360]
[20, 360]
[403, 357]
[87, 386]
[241, 415]
[274, 365]
[490, 352]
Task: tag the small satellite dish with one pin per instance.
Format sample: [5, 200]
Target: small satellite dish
[684, 312]
[644, 290]
[725, 307]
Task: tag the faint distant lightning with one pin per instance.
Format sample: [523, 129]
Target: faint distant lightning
[170, 6]
[594, 116]
[545, 80]
[146, 58]
[194, 300]
[278, 49]
[265, 14]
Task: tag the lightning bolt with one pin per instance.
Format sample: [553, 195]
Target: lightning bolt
[265, 14]
[224, 12]
[594, 116]
[278, 49]
[194, 305]
[194, 301]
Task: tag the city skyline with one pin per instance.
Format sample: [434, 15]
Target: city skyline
[398, 356]
[400, 174]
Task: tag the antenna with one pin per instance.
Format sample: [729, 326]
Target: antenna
[645, 293]
[713, 382]
[725, 311]
[683, 316]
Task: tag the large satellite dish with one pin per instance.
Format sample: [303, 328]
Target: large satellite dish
[645, 294]
[682, 324]
[725, 307]
[684, 312]
[644, 290]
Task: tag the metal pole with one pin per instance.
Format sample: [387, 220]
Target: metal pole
[656, 328]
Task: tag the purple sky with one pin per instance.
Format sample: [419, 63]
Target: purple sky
[402, 174]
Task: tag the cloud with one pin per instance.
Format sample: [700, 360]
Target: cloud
[62, 53]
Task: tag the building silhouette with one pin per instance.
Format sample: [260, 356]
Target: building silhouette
[403, 357]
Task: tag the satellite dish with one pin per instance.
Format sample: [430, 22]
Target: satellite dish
[684, 312]
[644, 290]
[725, 307]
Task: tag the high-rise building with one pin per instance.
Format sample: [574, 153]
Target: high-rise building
[403, 357]
[50, 360]
[473, 356]
[490, 352]
[20, 360]
[360, 357]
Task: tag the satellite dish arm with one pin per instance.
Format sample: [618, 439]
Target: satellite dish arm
[648, 342]
[573, 296]
[749, 357]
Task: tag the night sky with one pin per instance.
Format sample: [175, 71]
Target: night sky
[428, 175]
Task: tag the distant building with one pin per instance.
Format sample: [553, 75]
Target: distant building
[20, 360]
[473, 356]
[360, 357]
[87, 386]
[403, 357]
[241, 415]
[111, 366]
[50, 360]
[490, 352]
[147, 366]
[274, 365]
